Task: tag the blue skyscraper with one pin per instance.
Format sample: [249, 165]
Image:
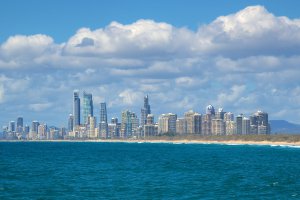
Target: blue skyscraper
[76, 108]
[19, 127]
[12, 126]
[103, 126]
[87, 107]
[145, 111]
[20, 122]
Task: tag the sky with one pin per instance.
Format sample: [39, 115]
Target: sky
[242, 56]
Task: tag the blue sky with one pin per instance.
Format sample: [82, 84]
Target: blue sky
[240, 55]
[61, 19]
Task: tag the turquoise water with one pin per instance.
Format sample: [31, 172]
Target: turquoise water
[75, 170]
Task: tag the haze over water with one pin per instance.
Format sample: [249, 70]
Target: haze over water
[67, 170]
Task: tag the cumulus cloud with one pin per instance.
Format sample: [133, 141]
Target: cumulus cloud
[130, 97]
[21, 47]
[38, 107]
[243, 61]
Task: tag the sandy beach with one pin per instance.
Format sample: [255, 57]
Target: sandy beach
[183, 141]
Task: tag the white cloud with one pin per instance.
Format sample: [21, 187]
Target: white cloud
[243, 61]
[21, 47]
[38, 107]
[130, 97]
[236, 92]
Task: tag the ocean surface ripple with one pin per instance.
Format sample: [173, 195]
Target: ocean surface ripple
[82, 170]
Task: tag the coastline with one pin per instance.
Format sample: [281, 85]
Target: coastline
[176, 141]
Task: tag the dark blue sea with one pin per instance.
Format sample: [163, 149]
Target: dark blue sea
[83, 170]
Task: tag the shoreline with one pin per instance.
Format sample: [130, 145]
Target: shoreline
[176, 141]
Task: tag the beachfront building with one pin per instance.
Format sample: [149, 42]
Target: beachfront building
[76, 108]
[193, 122]
[206, 124]
[181, 126]
[87, 107]
[103, 125]
[129, 123]
[167, 123]
[218, 127]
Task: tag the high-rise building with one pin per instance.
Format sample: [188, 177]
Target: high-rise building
[218, 127]
[34, 130]
[150, 119]
[145, 111]
[70, 123]
[42, 132]
[114, 128]
[76, 109]
[12, 126]
[150, 130]
[34, 126]
[228, 116]
[210, 110]
[129, 124]
[103, 125]
[230, 127]
[20, 122]
[260, 118]
[262, 129]
[114, 120]
[167, 123]
[206, 124]
[87, 107]
[193, 122]
[220, 114]
[103, 112]
[92, 126]
[26, 129]
[181, 128]
[239, 124]
[246, 126]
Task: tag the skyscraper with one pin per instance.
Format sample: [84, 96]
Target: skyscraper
[220, 114]
[34, 130]
[70, 123]
[239, 124]
[193, 122]
[12, 126]
[181, 126]
[260, 120]
[246, 126]
[19, 127]
[92, 126]
[103, 112]
[167, 123]
[20, 122]
[228, 116]
[145, 111]
[129, 123]
[87, 107]
[210, 110]
[206, 124]
[103, 125]
[76, 108]
[218, 127]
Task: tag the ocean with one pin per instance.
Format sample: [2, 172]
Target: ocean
[90, 170]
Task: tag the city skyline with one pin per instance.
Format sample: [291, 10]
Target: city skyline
[212, 122]
[240, 56]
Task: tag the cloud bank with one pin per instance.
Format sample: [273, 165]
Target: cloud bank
[242, 62]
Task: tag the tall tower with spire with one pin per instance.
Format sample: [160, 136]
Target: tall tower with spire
[145, 111]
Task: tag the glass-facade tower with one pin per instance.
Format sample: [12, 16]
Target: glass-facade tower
[76, 108]
[87, 107]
